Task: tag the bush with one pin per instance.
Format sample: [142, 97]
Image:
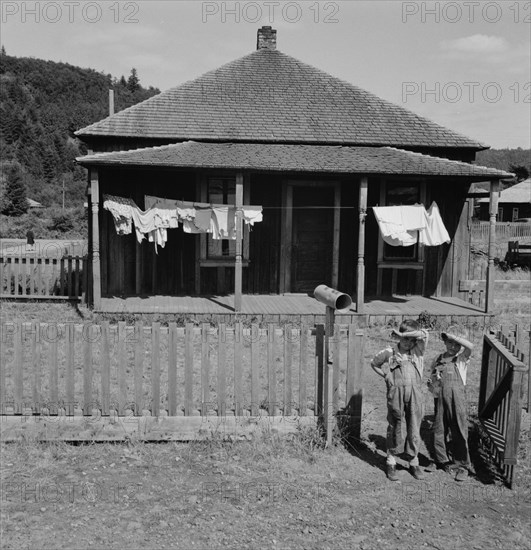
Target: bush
[62, 222]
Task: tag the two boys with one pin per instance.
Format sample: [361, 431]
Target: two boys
[402, 367]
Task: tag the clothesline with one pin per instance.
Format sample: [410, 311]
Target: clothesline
[218, 220]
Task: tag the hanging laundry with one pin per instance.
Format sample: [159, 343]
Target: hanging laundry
[164, 211]
[435, 233]
[121, 209]
[252, 214]
[391, 225]
[203, 215]
[223, 222]
[399, 225]
[190, 227]
[414, 218]
[185, 210]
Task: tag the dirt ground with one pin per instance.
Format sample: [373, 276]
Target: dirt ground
[271, 493]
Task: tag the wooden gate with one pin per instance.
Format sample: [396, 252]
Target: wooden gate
[500, 399]
[105, 381]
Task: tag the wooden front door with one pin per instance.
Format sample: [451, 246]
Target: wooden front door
[312, 237]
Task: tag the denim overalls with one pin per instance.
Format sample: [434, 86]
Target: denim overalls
[451, 417]
[404, 400]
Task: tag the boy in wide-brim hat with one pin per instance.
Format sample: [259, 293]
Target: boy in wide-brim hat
[401, 365]
[448, 384]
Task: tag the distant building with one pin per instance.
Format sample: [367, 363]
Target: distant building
[34, 204]
[514, 203]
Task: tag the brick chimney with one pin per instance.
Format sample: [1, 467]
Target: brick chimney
[266, 39]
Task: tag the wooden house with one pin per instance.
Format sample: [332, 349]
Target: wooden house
[513, 203]
[316, 152]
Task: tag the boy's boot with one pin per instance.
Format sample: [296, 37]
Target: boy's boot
[391, 472]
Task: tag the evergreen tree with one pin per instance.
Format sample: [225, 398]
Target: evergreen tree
[15, 201]
[133, 82]
[521, 172]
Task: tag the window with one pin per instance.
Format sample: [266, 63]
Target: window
[500, 214]
[515, 214]
[398, 195]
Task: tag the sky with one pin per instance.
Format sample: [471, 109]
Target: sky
[465, 65]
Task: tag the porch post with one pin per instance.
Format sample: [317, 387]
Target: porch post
[238, 265]
[362, 209]
[96, 265]
[493, 210]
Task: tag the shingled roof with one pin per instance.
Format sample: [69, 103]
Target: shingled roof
[521, 192]
[270, 97]
[300, 158]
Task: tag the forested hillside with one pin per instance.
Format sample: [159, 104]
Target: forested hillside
[505, 159]
[42, 104]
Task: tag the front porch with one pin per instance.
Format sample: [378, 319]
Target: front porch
[296, 308]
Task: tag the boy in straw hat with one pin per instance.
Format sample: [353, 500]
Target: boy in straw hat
[401, 365]
[448, 384]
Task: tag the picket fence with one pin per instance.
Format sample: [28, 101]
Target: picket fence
[504, 231]
[135, 370]
[37, 277]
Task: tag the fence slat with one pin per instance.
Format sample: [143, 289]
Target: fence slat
[2, 274]
[17, 274]
[255, 369]
[205, 367]
[172, 369]
[238, 395]
[319, 369]
[87, 371]
[336, 366]
[271, 372]
[18, 364]
[77, 291]
[9, 276]
[155, 368]
[2, 386]
[69, 367]
[354, 395]
[139, 367]
[38, 276]
[222, 374]
[303, 370]
[62, 276]
[121, 349]
[288, 357]
[188, 369]
[105, 370]
[35, 346]
[31, 276]
[70, 290]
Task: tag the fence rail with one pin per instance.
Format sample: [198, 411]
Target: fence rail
[37, 277]
[134, 370]
[504, 230]
[500, 399]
